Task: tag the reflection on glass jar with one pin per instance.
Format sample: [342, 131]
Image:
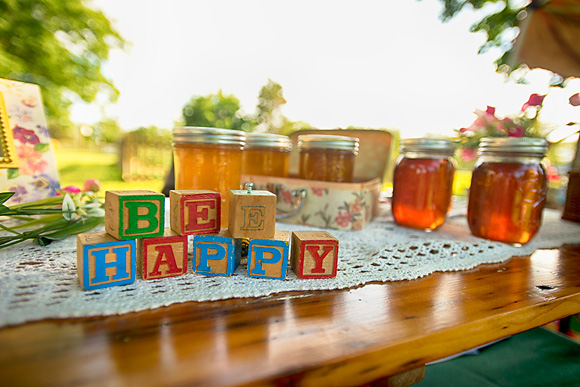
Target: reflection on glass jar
[423, 183]
[508, 189]
[266, 154]
[327, 157]
[208, 158]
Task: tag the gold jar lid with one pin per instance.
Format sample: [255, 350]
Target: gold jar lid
[268, 140]
[215, 136]
[327, 141]
[514, 145]
[428, 145]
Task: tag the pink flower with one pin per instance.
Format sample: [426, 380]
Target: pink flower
[468, 154]
[357, 225]
[25, 136]
[286, 196]
[343, 218]
[318, 191]
[490, 110]
[575, 99]
[516, 131]
[534, 100]
[71, 189]
[356, 206]
[91, 185]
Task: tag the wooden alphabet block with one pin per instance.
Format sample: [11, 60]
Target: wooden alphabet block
[216, 254]
[252, 215]
[314, 254]
[195, 211]
[103, 261]
[162, 257]
[134, 214]
[268, 258]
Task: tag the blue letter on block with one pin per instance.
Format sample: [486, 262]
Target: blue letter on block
[267, 258]
[219, 250]
[121, 263]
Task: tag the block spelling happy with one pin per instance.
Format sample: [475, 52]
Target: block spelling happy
[314, 254]
[216, 254]
[162, 257]
[134, 214]
[103, 261]
[195, 211]
[252, 214]
[268, 258]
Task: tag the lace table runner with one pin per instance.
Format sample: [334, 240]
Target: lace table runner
[41, 282]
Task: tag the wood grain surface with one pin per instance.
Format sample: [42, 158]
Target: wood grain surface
[321, 338]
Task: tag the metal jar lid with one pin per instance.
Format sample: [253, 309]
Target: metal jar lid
[268, 140]
[327, 141]
[215, 136]
[427, 144]
[517, 145]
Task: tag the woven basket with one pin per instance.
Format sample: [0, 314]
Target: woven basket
[572, 205]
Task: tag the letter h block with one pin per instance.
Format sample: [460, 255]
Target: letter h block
[268, 258]
[134, 214]
[103, 261]
[162, 257]
[216, 254]
[252, 214]
[314, 254]
[195, 212]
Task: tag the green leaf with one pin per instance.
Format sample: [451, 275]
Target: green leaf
[3, 209]
[42, 147]
[4, 196]
[13, 173]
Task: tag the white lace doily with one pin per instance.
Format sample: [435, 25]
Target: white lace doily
[41, 282]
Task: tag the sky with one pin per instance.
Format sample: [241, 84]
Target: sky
[371, 63]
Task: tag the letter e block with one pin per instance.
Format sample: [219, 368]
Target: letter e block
[268, 258]
[134, 214]
[252, 215]
[103, 261]
[195, 211]
[216, 254]
[314, 254]
[162, 257]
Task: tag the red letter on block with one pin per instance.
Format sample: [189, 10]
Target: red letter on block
[162, 257]
[314, 254]
[195, 211]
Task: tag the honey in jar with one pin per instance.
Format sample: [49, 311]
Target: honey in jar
[266, 154]
[208, 158]
[327, 157]
[423, 183]
[508, 189]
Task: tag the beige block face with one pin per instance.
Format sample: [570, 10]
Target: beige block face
[270, 269]
[220, 267]
[194, 211]
[252, 215]
[172, 253]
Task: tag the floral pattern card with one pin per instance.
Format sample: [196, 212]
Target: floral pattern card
[36, 176]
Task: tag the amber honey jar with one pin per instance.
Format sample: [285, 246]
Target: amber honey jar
[508, 189]
[327, 157]
[266, 154]
[423, 182]
[208, 158]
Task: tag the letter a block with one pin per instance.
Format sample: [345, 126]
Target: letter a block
[195, 212]
[161, 257]
[252, 215]
[314, 254]
[134, 214]
[216, 254]
[103, 261]
[268, 258]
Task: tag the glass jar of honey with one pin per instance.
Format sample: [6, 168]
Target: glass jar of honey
[508, 189]
[266, 154]
[423, 182]
[327, 157]
[208, 158]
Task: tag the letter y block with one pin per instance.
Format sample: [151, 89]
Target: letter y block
[195, 211]
[314, 254]
[134, 214]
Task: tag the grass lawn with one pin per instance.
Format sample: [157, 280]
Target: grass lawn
[77, 165]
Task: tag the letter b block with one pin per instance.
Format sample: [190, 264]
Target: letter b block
[216, 254]
[195, 212]
[103, 261]
[268, 258]
[252, 215]
[134, 214]
[162, 257]
[314, 254]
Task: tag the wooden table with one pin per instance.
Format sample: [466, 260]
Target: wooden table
[347, 337]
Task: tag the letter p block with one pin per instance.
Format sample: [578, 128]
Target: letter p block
[195, 211]
[314, 254]
[215, 254]
[268, 258]
[134, 214]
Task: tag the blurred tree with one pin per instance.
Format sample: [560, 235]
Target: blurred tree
[217, 111]
[59, 45]
[107, 130]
